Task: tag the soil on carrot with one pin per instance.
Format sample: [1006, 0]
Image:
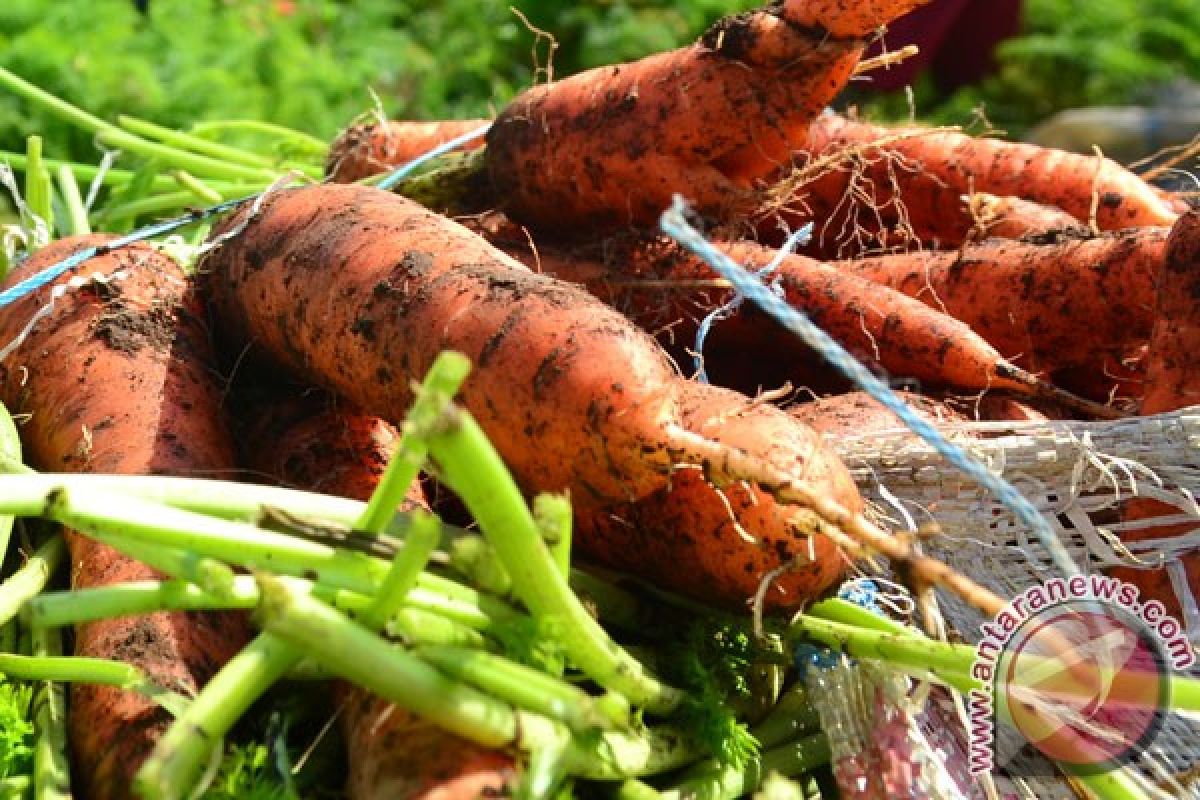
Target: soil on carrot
[127, 330]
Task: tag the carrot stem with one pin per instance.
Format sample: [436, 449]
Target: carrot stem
[191, 142]
[208, 573]
[68, 189]
[180, 753]
[524, 687]
[38, 193]
[10, 449]
[442, 382]
[729, 782]
[553, 516]
[356, 653]
[405, 570]
[51, 773]
[468, 463]
[112, 177]
[198, 188]
[302, 140]
[31, 578]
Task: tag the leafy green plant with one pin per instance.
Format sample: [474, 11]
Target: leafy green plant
[16, 731]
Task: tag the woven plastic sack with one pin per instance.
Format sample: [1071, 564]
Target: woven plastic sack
[1077, 474]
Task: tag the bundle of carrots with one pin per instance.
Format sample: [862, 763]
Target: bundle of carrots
[1057, 284]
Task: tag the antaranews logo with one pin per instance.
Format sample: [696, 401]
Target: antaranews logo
[1079, 667]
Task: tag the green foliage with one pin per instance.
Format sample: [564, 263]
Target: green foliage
[712, 661]
[246, 773]
[16, 730]
[1073, 53]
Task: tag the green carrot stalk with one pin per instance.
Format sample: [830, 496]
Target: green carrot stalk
[180, 753]
[10, 448]
[31, 578]
[553, 516]
[111, 135]
[836, 609]
[950, 663]
[51, 773]
[353, 652]
[406, 568]
[633, 789]
[228, 500]
[78, 669]
[522, 686]
[209, 574]
[1118, 784]
[471, 467]
[68, 189]
[38, 192]
[171, 202]
[223, 152]
[58, 609]
[190, 142]
[298, 139]
[787, 760]
[442, 382]
[198, 188]
[792, 716]
[87, 172]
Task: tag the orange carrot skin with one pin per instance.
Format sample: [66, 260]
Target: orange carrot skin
[1172, 377]
[1045, 306]
[943, 165]
[886, 328]
[610, 147]
[118, 380]
[391, 753]
[373, 148]
[687, 530]
[856, 413]
[854, 18]
[1172, 383]
[359, 290]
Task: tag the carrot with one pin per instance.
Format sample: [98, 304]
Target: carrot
[1070, 302]
[880, 179]
[370, 148]
[610, 146]
[390, 752]
[855, 413]
[691, 528]
[359, 290]
[116, 379]
[886, 328]
[1172, 383]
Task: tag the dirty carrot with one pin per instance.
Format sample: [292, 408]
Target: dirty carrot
[610, 146]
[573, 396]
[116, 379]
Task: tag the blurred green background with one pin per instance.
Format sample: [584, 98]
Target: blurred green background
[312, 64]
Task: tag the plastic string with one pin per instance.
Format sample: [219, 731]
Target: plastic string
[675, 225]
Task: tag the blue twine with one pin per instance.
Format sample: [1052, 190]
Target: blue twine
[864, 593]
[676, 226]
[34, 282]
[726, 311]
[808, 657]
[399, 174]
